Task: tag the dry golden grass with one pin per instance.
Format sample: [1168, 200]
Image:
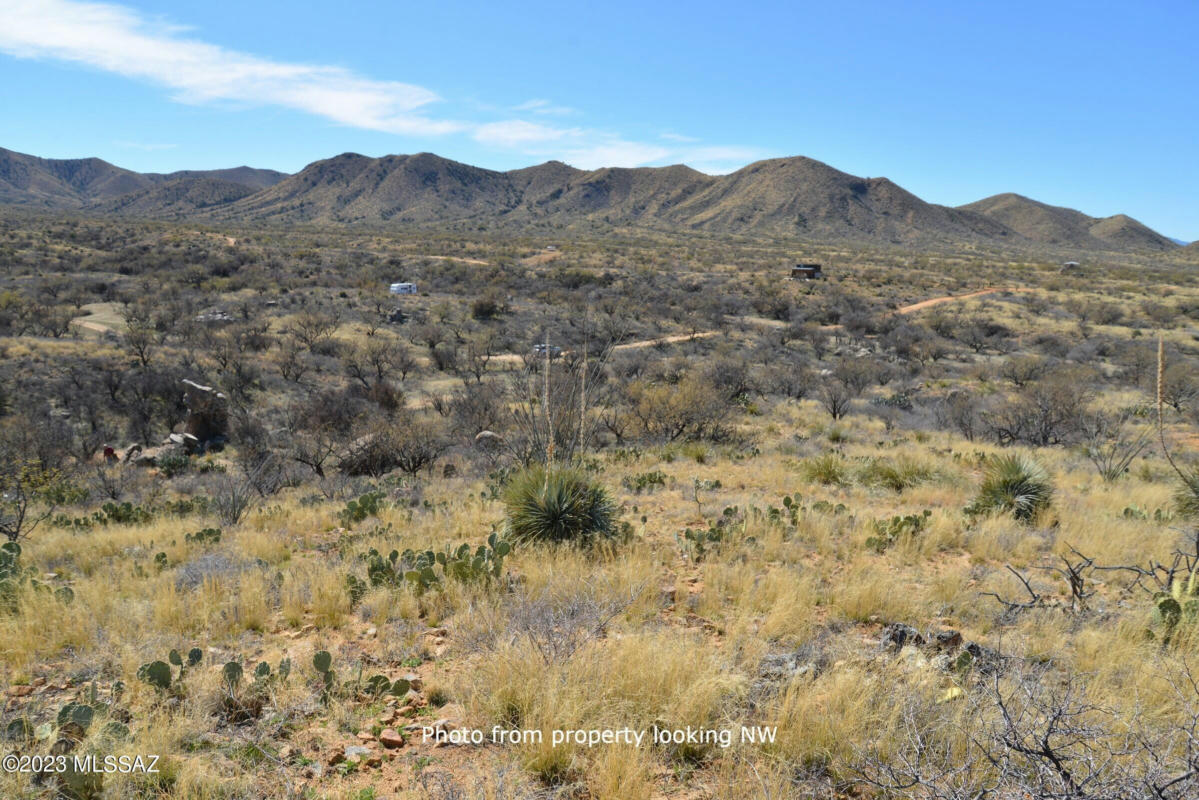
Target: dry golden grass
[685, 642]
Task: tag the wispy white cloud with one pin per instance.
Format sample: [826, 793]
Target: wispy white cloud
[540, 106]
[119, 40]
[614, 152]
[517, 133]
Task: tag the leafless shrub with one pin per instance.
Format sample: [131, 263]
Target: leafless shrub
[1045, 412]
[1037, 733]
[558, 620]
[1110, 446]
[232, 497]
[835, 396]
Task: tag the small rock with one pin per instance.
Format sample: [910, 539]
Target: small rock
[38, 681]
[366, 736]
[897, 636]
[778, 667]
[390, 738]
[374, 761]
[414, 681]
[337, 757]
[983, 659]
[355, 752]
[947, 640]
[372, 632]
[20, 691]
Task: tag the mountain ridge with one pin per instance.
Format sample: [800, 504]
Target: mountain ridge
[795, 197]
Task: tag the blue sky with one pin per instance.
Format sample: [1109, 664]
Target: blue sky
[1089, 105]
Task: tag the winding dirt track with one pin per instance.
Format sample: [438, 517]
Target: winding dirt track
[936, 301]
[680, 337]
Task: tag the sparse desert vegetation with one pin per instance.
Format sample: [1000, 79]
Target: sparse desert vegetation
[948, 551]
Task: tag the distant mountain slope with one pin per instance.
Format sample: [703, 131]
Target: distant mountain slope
[63, 182]
[175, 198]
[791, 197]
[79, 182]
[1066, 227]
[243, 176]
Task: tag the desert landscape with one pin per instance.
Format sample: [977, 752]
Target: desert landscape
[612, 506]
[624, 401]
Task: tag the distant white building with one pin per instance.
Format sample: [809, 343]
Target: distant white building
[403, 288]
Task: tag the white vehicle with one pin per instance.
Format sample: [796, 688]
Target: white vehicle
[403, 288]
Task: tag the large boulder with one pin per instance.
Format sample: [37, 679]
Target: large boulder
[207, 413]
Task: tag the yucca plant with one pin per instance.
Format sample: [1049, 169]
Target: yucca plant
[563, 505]
[1013, 484]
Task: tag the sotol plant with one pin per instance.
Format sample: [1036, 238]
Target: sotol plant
[561, 505]
[1013, 484]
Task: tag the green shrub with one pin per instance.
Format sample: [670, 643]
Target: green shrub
[563, 506]
[1013, 484]
[828, 469]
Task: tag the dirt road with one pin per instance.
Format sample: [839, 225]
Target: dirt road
[508, 358]
[936, 301]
